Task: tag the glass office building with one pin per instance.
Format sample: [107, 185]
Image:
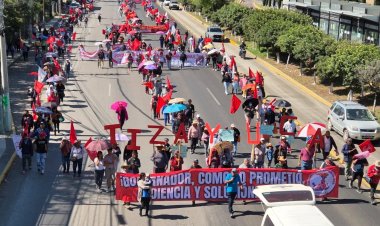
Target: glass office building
[357, 22]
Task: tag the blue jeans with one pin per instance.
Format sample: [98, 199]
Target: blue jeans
[306, 165]
[226, 86]
[66, 163]
[41, 157]
[166, 118]
[235, 144]
[235, 87]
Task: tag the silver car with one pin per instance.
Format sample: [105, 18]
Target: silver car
[351, 119]
[215, 33]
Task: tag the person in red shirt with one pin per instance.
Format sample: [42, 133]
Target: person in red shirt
[373, 176]
[176, 162]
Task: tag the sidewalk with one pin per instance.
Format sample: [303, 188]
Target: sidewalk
[19, 102]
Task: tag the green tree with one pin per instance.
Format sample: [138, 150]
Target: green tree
[208, 6]
[342, 66]
[310, 45]
[230, 16]
[267, 35]
[369, 77]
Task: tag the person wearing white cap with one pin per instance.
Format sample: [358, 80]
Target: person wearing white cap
[232, 181]
[236, 138]
[373, 177]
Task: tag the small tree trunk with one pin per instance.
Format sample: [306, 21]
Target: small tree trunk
[331, 89]
[287, 60]
[362, 90]
[315, 78]
[301, 69]
[267, 53]
[374, 103]
[350, 95]
[278, 57]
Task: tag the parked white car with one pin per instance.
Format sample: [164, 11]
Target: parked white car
[166, 2]
[351, 119]
[290, 205]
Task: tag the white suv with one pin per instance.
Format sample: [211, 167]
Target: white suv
[353, 120]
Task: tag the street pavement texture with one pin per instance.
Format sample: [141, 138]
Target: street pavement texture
[60, 199]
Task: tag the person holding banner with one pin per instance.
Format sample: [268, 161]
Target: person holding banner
[176, 162]
[306, 157]
[232, 181]
[160, 160]
[348, 151]
[329, 143]
[144, 193]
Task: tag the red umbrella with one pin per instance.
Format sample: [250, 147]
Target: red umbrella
[33, 73]
[310, 129]
[116, 104]
[97, 145]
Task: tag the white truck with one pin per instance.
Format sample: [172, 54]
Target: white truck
[290, 205]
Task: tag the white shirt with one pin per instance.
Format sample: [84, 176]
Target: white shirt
[100, 165]
[290, 127]
[77, 152]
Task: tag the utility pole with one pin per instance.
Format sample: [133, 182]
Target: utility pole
[5, 105]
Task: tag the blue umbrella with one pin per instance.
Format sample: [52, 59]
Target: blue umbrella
[151, 67]
[56, 78]
[175, 108]
[43, 110]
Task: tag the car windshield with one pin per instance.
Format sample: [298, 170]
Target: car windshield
[359, 115]
[288, 196]
[215, 29]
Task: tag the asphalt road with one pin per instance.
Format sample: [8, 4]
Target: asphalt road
[57, 199]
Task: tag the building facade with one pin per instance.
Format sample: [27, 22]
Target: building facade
[353, 21]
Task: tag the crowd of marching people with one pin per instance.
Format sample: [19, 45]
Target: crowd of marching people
[53, 45]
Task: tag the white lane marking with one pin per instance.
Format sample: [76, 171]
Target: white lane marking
[109, 89]
[213, 96]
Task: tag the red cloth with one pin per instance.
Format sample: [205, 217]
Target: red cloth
[148, 84]
[235, 104]
[38, 100]
[57, 65]
[91, 154]
[73, 135]
[250, 73]
[168, 83]
[135, 44]
[168, 96]
[374, 174]
[207, 40]
[367, 146]
[38, 86]
[160, 104]
[74, 36]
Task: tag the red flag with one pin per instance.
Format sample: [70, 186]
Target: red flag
[33, 107]
[168, 84]
[74, 36]
[73, 135]
[57, 65]
[250, 73]
[367, 146]
[235, 104]
[148, 84]
[38, 86]
[232, 63]
[91, 154]
[168, 96]
[160, 104]
[38, 100]
[259, 78]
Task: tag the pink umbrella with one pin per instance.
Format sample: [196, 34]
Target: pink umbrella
[160, 32]
[97, 145]
[310, 129]
[132, 32]
[362, 155]
[116, 104]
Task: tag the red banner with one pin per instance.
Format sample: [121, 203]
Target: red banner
[208, 184]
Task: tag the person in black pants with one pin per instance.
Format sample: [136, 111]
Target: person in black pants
[144, 193]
